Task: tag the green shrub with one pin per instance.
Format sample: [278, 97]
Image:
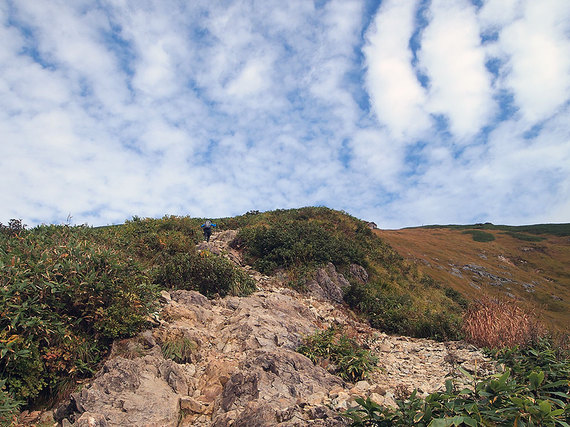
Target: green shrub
[9, 407]
[456, 296]
[543, 355]
[294, 243]
[441, 326]
[179, 349]
[525, 237]
[146, 239]
[351, 362]
[63, 299]
[480, 236]
[523, 395]
[205, 273]
[397, 313]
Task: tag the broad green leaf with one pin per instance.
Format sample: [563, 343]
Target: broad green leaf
[556, 384]
[470, 421]
[467, 374]
[504, 376]
[545, 406]
[439, 422]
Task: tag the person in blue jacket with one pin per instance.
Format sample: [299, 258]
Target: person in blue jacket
[207, 226]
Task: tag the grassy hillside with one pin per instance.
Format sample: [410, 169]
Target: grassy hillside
[67, 292]
[397, 298]
[530, 264]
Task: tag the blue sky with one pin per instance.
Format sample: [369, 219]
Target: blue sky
[401, 112]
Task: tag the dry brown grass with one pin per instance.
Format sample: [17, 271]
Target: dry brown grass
[442, 253]
[497, 323]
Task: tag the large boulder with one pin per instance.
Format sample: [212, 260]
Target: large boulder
[144, 391]
[328, 284]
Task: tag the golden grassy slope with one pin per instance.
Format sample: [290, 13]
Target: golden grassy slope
[535, 273]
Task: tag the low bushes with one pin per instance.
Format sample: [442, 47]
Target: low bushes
[480, 236]
[397, 313]
[294, 243]
[340, 354]
[206, 273]
[63, 299]
[523, 395]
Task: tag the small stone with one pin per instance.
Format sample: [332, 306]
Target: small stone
[210, 393]
[148, 338]
[375, 397]
[165, 297]
[47, 418]
[88, 419]
[363, 385]
[316, 398]
[379, 390]
[189, 404]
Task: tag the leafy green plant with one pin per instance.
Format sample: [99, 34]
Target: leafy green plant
[330, 346]
[206, 273]
[544, 355]
[63, 299]
[179, 349]
[9, 407]
[480, 236]
[521, 396]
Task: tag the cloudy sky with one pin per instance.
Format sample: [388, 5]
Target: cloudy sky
[404, 112]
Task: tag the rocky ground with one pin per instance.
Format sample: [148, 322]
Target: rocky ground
[242, 368]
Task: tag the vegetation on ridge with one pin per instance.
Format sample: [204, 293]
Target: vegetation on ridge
[67, 292]
[395, 299]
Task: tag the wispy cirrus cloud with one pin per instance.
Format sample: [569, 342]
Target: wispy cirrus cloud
[400, 112]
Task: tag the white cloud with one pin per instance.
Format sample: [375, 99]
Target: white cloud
[454, 60]
[496, 13]
[536, 48]
[396, 94]
[114, 109]
[253, 79]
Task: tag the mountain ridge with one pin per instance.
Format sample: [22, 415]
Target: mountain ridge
[72, 293]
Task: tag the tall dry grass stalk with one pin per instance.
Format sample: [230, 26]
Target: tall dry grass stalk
[497, 323]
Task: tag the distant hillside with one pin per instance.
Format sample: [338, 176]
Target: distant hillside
[549, 229]
[530, 264]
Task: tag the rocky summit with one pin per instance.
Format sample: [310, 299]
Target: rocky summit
[240, 366]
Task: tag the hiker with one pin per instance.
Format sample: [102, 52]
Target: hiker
[207, 226]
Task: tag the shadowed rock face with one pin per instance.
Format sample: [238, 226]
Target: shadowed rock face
[243, 369]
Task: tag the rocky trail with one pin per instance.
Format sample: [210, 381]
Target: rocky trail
[242, 368]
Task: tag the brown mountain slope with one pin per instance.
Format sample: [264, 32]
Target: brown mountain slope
[535, 273]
